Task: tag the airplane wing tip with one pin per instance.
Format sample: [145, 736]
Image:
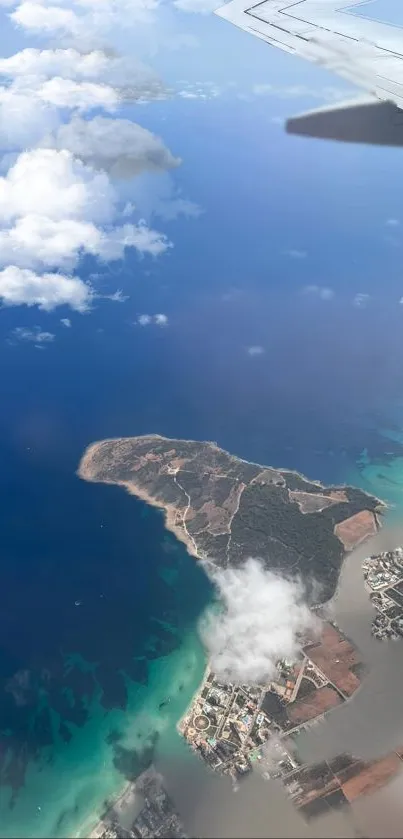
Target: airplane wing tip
[222, 10]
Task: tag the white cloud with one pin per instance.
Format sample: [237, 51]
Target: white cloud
[57, 201]
[47, 63]
[81, 19]
[30, 105]
[24, 119]
[201, 7]
[53, 208]
[117, 146]
[255, 350]
[29, 109]
[32, 335]
[48, 19]
[55, 185]
[159, 320]
[361, 300]
[67, 93]
[138, 236]
[66, 322]
[262, 620]
[133, 79]
[319, 291]
[117, 296]
[20, 286]
[392, 222]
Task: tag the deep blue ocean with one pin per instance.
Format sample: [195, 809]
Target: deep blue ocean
[98, 604]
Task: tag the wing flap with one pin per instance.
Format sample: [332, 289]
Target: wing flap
[365, 52]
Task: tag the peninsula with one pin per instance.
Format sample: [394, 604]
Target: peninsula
[226, 509]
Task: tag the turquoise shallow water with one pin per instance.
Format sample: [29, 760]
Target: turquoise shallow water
[82, 776]
[66, 789]
[98, 604]
[90, 710]
[383, 479]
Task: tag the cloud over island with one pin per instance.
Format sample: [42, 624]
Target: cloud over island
[262, 619]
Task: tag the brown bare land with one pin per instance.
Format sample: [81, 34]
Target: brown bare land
[347, 776]
[317, 703]
[372, 777]
[335, 657]
[310, 502]
[356, 529]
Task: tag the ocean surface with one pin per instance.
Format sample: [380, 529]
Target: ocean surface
[98, 603]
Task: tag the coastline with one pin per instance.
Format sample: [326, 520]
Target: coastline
[176, 525]
[142, 495]
[170, 511]
[92, 447]
[88, 828]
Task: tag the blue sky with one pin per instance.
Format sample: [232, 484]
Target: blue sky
[146, 139]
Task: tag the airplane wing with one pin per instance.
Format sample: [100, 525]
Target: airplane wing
[361, 50]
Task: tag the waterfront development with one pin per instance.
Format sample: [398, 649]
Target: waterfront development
[383, 574]
[217, 504]
[238, 729]
[154, 817]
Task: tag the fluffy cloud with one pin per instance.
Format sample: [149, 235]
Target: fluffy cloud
[158, 320]
[21, 286]
[53, 208]
[66, 322]
[24, 119]
[35, 335]
[46, 63]
[35, 240]
[66, 93]
[262, 619]
[81, 18]
[29, 110]
[38, 17]
[54, 184]
[57, 201]
[118, 146]
[133, 79]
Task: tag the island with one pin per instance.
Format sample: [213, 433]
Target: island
[226, 509]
